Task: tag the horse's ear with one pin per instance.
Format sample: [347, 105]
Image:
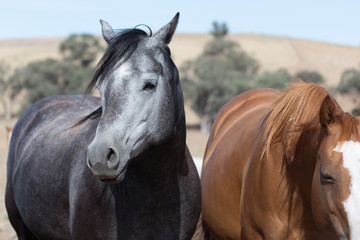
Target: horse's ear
[107, 31]
[327, 112]
[165, 33]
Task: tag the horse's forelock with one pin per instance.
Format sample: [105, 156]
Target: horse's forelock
[121, 47]
[349, 130]
[296, 111]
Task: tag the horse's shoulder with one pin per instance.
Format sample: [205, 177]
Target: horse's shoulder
[55, 114]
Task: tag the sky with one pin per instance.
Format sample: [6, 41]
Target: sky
[333, 21]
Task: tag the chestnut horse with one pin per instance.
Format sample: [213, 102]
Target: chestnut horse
[282, 165]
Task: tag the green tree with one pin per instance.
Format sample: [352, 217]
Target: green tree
[82, 48]
[278, 79]
[219, 29]
[69, 75]
[45, 78]
[53, 77]
[310, 76]
[10, 88]
[3, 82]
[222, 71]
[350, 84]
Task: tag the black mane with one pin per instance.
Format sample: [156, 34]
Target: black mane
[119, 50]
[121, 47]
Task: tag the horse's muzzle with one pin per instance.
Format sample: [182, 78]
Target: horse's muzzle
[104, 162]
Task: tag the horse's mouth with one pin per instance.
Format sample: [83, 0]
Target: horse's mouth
[118, 178]
[138, 147]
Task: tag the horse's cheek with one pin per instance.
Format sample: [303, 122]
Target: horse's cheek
[317, 202]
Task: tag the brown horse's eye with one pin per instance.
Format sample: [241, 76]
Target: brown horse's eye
[327, 179]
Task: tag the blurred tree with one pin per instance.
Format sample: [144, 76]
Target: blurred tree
[219, 73]
[356, 111]
[67, 76]
[10, 87]
[350, 81]
[219, 29]
[350, 84]
[53, 77]
[310, 76]
[3, 82]
[277, 80]
[82, 48]
[45, 78]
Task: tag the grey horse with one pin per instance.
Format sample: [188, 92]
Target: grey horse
[115, 167]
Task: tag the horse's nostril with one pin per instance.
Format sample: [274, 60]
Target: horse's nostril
[110, 154]
[89, 163]
[112, 158]
[103, 158]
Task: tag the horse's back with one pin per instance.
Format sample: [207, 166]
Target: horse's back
[40, 159]
[231, 142]
[50, 121]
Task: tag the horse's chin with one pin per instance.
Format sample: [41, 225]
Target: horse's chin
[120, 177]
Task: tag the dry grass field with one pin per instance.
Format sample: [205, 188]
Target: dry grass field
[272, 52]
[6, 231]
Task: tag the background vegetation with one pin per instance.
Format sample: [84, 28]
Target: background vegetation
[221, 71]
[48, 77]
[224, 70]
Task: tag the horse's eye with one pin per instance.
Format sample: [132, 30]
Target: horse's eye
[149, 86]
[327, 179]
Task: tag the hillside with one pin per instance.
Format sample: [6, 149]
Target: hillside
[19, 52]
[272, 52]
[279, 52]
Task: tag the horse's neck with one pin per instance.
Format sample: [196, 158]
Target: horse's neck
[160, 163]
[151, 184]
[152, 180]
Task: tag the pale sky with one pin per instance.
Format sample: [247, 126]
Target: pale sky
[320, 20]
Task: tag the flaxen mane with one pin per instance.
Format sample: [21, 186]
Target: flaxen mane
[298, 110]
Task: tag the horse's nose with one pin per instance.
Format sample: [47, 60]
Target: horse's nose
[103, 161]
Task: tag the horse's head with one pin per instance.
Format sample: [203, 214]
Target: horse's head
[321, 153]
[336, 181]
[141, 98]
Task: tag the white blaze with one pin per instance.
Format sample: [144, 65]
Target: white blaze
[351, 161]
